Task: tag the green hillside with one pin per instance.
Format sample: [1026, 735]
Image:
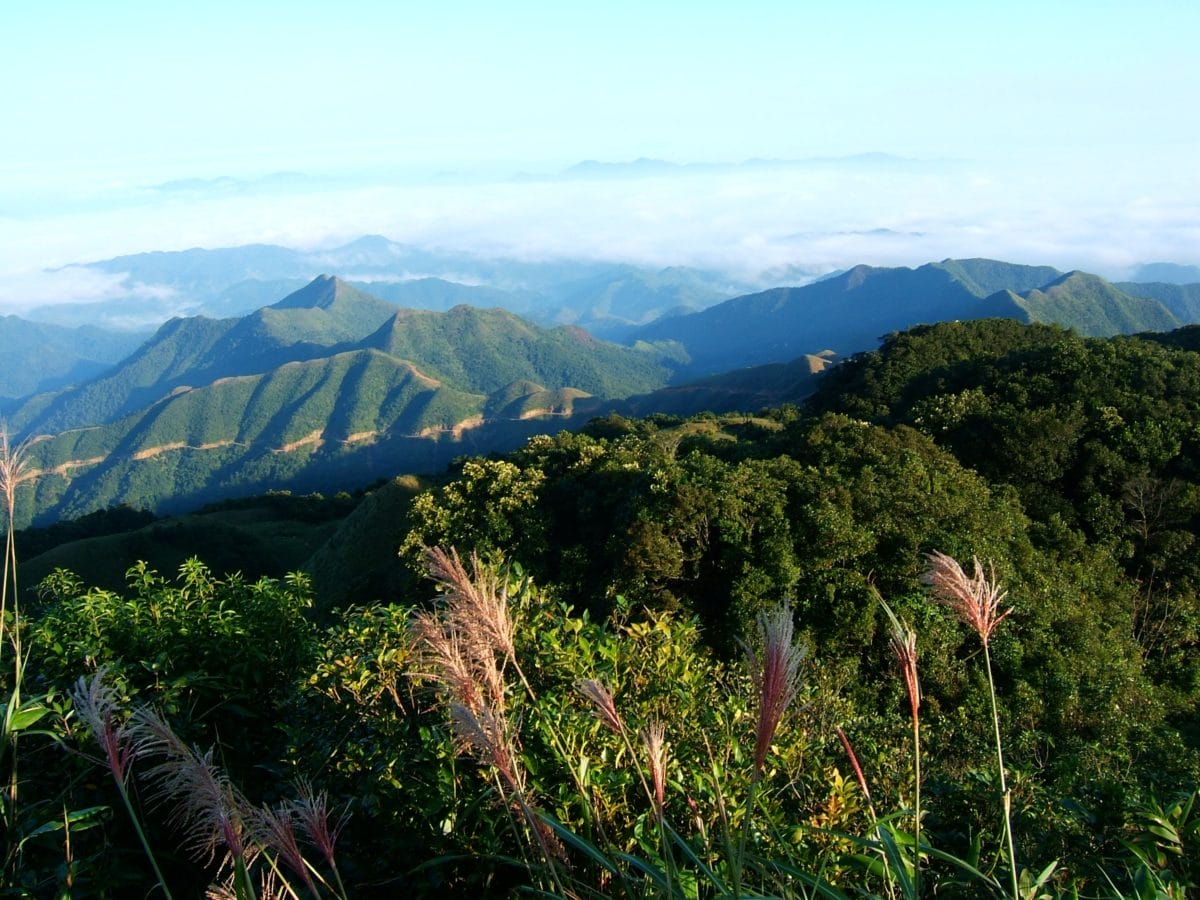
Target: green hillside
[268, 535]
[259, 431]
[504, 349]
[441, 294]
[984, 277]
[42, 357]
[854, 310]
[144, 377]
[847, 313]
[195, 351]
[1183, 300]
[1093, 307]
[742, 390]
[330, 386]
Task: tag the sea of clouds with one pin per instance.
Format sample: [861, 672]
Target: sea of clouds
[760, 222]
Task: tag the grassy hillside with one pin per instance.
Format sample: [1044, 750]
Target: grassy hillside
[984, 277]
[485, 350]
[42, 357]
[196, 351]
[854, 310]
[1183, 300]
[845, 314]
[144, 377]
[266, 536]
[1091, 306]
[330, 386]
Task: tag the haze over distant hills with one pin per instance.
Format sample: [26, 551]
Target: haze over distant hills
[152, 287]
[332, 386]
[1168, 273]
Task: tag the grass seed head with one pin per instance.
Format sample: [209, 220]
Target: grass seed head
[975, 599]
[776, 676]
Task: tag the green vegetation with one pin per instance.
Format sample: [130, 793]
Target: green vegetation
[572, 713]
[40, 357]
[1092, 306]
[849, 313]
[283, 399]
[504, 349]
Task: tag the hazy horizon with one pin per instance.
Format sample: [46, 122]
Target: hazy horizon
[1043, 136]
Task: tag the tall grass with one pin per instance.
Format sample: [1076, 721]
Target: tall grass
[20, 715]
[468, 649]
[903, 642]
[976, 599]
[257, 850]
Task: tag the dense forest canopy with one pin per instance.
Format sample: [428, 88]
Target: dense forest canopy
[644, 556]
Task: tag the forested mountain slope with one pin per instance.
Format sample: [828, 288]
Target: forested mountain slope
[852, 311]
[328, 386]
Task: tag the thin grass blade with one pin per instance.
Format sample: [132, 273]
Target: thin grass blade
[896, 858]
[683, 845]
[821, 887]
[654, 873]
[585, 847]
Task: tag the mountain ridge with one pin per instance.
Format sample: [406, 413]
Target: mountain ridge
[851, 311]
[280, 397]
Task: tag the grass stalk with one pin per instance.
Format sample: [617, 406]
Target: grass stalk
[141, 833]
[14, 469]
[1005, 796]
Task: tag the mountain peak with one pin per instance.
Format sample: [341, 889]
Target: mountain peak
[321, 293]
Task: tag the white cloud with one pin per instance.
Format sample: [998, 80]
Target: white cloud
[23, 290]
[1065, 213]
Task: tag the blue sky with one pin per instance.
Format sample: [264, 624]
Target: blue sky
[1080, 116]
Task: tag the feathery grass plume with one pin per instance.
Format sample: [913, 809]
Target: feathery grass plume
[466, 643]
[477, 601]
[776, 677]
[976, 599]
[312, 811]
[775, 673]
[276, 830]
[654, 740]
[442, 656]
[14, 470]
[604, 708]
[484, 734]
[903, 641]
[203, 803]
[466, 640]
[96, 704]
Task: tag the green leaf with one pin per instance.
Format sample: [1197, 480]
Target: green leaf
[77, 820]
[898, 862]
[683, 845]
[27, 716]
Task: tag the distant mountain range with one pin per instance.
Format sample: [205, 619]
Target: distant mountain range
[38, 356]
[1166, 273]
[333, 386]
[154, 287]
[851, 311]
[652, 168]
